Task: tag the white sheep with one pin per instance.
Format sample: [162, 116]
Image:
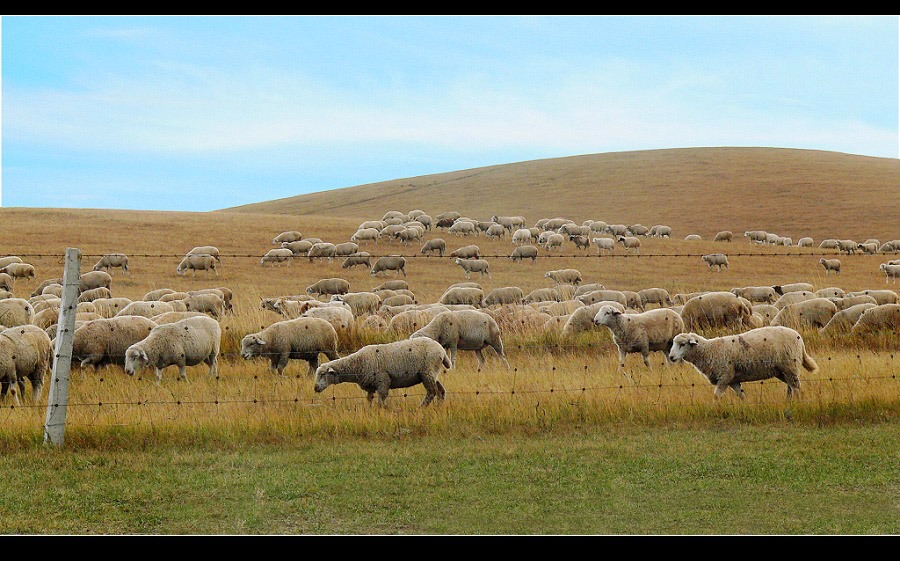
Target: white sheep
[793, 287]
[387, 263]
[377, 369]
[144, 308]
[658, 296]
[205, 302]
[847, 246]
[524, 252]
[522, 236]
[604, 244]
[723, 236]
[644, 332]
[434, 245]
[26, 353]
[717, 260]
[205, 250]
[302, 338]
[4, 261]
[365, 235]
[793, 297]
[504, 295]
[465, 330]
[361, 303]
[554, 241]
[279, 255]
[321, 250]
[187, 342]
[603, 295]
[109, 307]
[298, 248]
[470, 266]
[104, 341]
[815, 312]
[692, 238]
[757, 354]
[110, 260]
[716, 310]
[288, 236]
[881, 296]
[831, 265]
[805, 242]
[19, 271]
[15, 312]
[564, 276]
[362, 258]
[328, 287]
[884, 317]
[392, 284]
[467, 252]
[462, 295]
[157, 294]
[843, 320]
[756, 236]
[345, 249]
[765, 294]
[197, 262]
[630, 242]
[890, 272]
[463, 228]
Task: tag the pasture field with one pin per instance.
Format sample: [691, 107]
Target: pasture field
[519, 430]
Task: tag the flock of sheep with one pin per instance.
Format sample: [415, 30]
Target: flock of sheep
[180, 329]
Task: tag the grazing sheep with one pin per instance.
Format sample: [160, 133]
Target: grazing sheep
[19, 271]
[847, 246]
[765, 311]
[187, 342]
[298, 248]
[328, 287]
[207, 303]
[303, 338]
[110, 260]
[104, 341]
[890, 272]
[387, 263]
[398, 300]
[495, 231]
[831, 292]
[289, 236]
[885, 317]
[541, 295]
[205, 250]
[869, 248]
[462, 228]
[359, 258]
[756, 236]
[406, 322]
[831, 265]
[361, 303]
[322, 250]
[4, 261]
[8, 283]
[464, 330]
[603, 295]
[109, 307]
[723, 236]
[467, 252]
[425, 220]
[661, 231]
[793, 297]
[470, 266]
[365, 235]
[522, 236]
[461, 295]
[197, 262]
[815, 312]
[805, 242]
[504, 295]
[717, 260]
[890, 247]
[692, 238]
[169, 317]
[643, 332]
[630, 242]
[15, 312]
[146, 309]
[554, 241]
[564, 276]
[524, 252]
[658, 296]
[843, 320]
[157, 294]
[345, 249]
[581, 242]
[582, 319]
[758, 354]
[880, 296]
[716, 310]
[845, 302]
[94, 294]
[434, 245]
[793, 287]
[280, 255]
[392, 284]
[26, 353]
[377, 369]
[604, 244]
[766, 294]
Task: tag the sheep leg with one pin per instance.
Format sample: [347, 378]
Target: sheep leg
[736, 386]
[158, 376]
[479, 354]
[280, 362]
[213, 362]
[453, 356]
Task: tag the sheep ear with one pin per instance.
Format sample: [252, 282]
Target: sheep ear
[260, 341]
[693, 342]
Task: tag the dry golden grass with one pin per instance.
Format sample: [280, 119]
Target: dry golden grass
[575, 382]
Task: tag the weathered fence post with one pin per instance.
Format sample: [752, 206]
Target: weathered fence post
[58, 396]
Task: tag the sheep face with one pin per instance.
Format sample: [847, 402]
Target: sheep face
[606, 315]
[135, 359]
[681, 346]
[325, 376]
[252, 345]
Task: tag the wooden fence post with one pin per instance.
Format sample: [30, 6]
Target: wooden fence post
[58, 396]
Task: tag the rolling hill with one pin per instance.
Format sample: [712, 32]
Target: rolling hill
[695, 190]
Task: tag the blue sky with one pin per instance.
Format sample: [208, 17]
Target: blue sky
[203, 113]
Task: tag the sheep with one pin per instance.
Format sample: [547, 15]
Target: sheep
[630, 242]
[644, 332]
[831, 265]
[884, 317]
[805, 242]
[541, 295]
[280, 255]
[766, 294]
[714, 310]
[392, 284]
[94, 294]
[15, 312]
[633, 300]
[561, 308]
[4, 261]
[771, 238]
[581, 242]
[847, 246]
[207, 303]
[169, 317]
[658, 296]
[717, 260]
[205, 250]
[398, 300]
[361, 303]
[604, 244]
[358, 258]
[681, 298]
[462, 228]
[495, 231]
[288, 236]
[303, 338]
[225, 293]
[338, 314]
[406, 322]
[522, 236]
[157, 294]
[765, 311]
[146, 309]
[880, 296]
[869, 248]
[328, 287]
[793, 287]
[321, 250]
[845, 302]
[723, 236]
[8, 283]
[345, 249]
[464, 330]
[890, 272]
[365, 235]
[843, 320]
[187, 342]
[467, 252]
[109, 307]
[378, 368]
[603, 295]
[19, 271]
[564, 276]
[197, 262]
[755, 236]
[434, 245]
[616, 230]
[692, 238]
[554, 241]
[524, 252]
[582, 319]
[661, 231]
[815, 312]
[831, 292]
[785, 241]
[387, 263]
[104, 341]
[504, 295]
[26, 353]
[425, 220]
[757, 354]
[110, 260]
[890, 247]
[463, 295]
[298, 248]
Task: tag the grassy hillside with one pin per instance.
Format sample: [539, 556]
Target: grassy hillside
[790, 192]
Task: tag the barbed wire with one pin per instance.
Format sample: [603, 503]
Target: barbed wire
[302, 257]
